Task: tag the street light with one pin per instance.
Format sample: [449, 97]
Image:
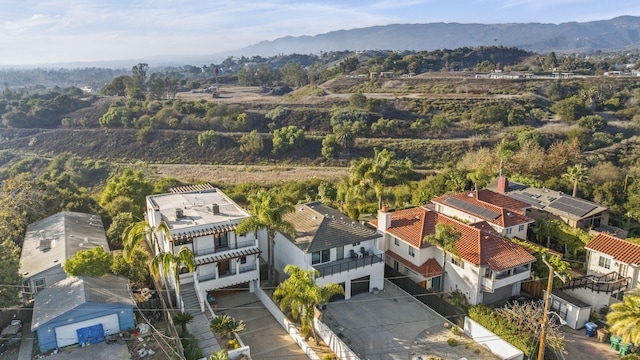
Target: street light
[547, 297]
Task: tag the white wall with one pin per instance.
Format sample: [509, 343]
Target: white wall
[493, 342]
[463, 279]
[576, 316]
[287, 253]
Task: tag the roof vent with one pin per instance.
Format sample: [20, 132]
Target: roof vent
[179, 213]
[215, 209]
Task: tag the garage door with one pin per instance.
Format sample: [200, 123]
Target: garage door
[67, 335]
[499, 294]
[360, 285]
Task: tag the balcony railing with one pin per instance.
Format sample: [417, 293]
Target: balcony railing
[607, 283]
[207, 277]
[247, 268]
[230, 246]
[347, 264]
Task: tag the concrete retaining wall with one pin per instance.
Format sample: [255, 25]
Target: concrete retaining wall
[333, 341]
[493, 342]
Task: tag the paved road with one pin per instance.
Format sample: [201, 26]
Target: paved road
[580, 346]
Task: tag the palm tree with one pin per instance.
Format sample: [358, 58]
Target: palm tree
[227, 326]
[182, 319]
[300, 294]
[268, 214]
[445, 237]
[576, 173]
[624, 318]
[168, 261]
[142, 230]
[381, 171]
[542, 229]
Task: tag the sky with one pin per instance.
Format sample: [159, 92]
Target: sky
[55, 31]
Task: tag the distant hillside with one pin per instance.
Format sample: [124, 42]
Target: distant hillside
[606, 35]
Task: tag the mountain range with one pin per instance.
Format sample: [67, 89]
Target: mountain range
[620, 33]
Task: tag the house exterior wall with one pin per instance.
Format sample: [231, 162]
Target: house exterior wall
[51, 276]
[46, 332]
[464, 279]
[625, 270]
[576, 316]
[596, 299]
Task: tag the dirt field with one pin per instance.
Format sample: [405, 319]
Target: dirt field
[233, 175]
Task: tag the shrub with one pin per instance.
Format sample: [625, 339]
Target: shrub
[207, 138]
[287, 138]
[452, 342]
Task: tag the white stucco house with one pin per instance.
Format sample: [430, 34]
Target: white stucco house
[204, 219]
[343, 251]
[49, 242]
[488, 268]
[504, 214]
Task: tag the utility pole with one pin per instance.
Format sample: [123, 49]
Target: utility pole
[547, 296]
[543, 331]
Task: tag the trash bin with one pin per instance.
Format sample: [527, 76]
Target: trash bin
[603, 335]
[591, 329]
[615, 342]
[625, 349]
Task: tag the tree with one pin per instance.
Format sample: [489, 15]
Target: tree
[542, 230]
[135, 269]
[287, 138]
[9, 273]
[142, 230]
[445, 237]
[592, 122]
[207, 138]
[381, 171]
[167, 261]
[131, 185]
[183, 318]
[118, 225]
[93, 262]
[570, 109]
[624, 318]
[576, 174]
[251, 143]
[300, 294]
[344, 135]
[329, 146]
[268, 214]
[358, 100]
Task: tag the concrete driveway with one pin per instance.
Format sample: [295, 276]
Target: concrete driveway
[264, 335]
[580, 346]
[393, 325]
[100, 351]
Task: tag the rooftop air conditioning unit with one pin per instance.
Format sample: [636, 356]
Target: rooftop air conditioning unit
[179, 213]
[215, 209]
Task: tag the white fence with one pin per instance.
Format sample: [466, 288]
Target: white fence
[493, 342]
[289, 327]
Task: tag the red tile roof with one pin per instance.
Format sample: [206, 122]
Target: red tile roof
[621, 250]
[476, 244]
[429, 269]
[510, 210]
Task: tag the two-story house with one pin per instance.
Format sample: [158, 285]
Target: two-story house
[342, 250]
[506, 215]
[203, 219]
[547, 203]
[486, 267]
[49, 242]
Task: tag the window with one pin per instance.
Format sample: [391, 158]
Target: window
[243, 260]
[321, 256]
[508, 231]
[412, 251]
[396, 241]
[488, 273]
[38, 284]
[356, 244]
[521, 228]
[457, 262]
[221, 240]
[604, 262]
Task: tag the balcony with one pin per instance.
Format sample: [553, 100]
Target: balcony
[230, 246]
[346, 264]
[608, 283]
[502, 279]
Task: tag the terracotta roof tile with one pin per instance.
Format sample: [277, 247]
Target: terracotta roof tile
[510, 210]
[621, 250]
[477, 245]
[428, 269]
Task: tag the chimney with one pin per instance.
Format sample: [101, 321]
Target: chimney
[384, 218]
[503, 185]
[215, 209]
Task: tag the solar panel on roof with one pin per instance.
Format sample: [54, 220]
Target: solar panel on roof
[472, 208]
[524, 198]
[572, 206]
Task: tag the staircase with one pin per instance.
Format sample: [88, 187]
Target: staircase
[190, 299]
[608, 283]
